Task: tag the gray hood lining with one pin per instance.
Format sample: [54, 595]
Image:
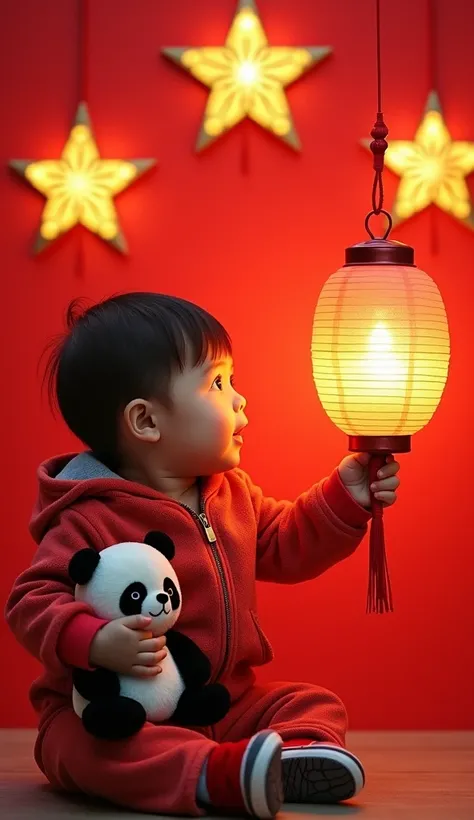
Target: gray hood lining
[85, 467]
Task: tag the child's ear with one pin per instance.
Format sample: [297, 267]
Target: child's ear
[161, 542]
[83, 565]
[141, 420]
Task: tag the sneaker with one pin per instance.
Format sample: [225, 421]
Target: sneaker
[247, 776]
[320, 773]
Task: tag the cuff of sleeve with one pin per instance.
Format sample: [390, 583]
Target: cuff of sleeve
[341, 503]
[75, 639]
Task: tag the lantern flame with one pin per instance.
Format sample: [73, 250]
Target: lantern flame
[381, 362]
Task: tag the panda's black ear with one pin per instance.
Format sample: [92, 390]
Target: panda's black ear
[161, 542]
[83, 565]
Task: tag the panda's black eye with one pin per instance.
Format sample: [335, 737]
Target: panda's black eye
[132, 598]
[170, 587]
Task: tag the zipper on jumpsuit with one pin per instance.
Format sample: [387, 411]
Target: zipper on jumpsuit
[211, 539]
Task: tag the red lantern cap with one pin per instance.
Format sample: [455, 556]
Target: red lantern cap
[380, 252]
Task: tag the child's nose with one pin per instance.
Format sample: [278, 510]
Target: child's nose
[240, 403]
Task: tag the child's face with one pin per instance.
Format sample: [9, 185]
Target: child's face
[200, 434]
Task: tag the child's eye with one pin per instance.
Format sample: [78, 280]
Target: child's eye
[232, 381]
[218, 382]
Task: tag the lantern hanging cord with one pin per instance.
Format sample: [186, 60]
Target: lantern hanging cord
[379, 145]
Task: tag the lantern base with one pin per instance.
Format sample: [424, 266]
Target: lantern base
[380, 444]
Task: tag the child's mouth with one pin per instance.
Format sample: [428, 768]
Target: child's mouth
[237, 435]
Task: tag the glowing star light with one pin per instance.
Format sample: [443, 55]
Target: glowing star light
[247, 77]
[80, 186]
[433, 169]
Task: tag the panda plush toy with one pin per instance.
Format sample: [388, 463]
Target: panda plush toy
[137, 578]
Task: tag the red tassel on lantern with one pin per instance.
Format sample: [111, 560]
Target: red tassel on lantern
[379, 596]
[379, 593]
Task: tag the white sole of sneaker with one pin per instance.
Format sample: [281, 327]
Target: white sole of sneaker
[320, 774]
[260, 775]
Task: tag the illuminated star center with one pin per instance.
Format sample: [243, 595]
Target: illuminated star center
[78, 183]
[247, 73]
[434, 170]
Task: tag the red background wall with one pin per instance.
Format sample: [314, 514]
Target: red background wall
[254, 248]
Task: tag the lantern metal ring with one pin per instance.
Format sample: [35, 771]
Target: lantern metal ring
[376, 213]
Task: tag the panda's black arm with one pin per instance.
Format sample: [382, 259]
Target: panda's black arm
[193, 665]
[97, 683]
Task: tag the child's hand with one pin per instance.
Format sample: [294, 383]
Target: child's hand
[354, 474]
[122, 647]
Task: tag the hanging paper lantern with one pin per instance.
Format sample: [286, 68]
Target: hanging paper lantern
[380, 352]
[380, 346]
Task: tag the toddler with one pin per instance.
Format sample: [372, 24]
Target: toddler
[145, 381]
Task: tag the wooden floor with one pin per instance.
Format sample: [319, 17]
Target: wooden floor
[410, 776]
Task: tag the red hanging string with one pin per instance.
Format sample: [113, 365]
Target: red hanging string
[245, 150]
[432, 38]
[379, 145]
[82, 95]
[434, 232]
[83, 50]
[433, 79]
[80, 262]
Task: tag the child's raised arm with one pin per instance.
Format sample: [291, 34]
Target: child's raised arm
[301, 540]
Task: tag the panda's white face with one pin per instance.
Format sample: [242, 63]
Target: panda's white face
[132, 579]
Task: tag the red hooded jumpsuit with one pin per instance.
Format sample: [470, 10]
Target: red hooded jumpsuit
[258, 538]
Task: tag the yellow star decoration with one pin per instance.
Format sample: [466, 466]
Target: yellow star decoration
[80, 186]
[432, 168]
[247, 77]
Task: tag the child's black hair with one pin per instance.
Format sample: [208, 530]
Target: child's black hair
[126, 347]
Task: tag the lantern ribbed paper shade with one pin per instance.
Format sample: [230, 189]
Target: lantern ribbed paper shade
[380, 349]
